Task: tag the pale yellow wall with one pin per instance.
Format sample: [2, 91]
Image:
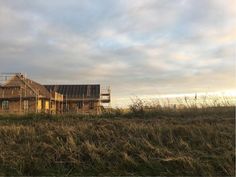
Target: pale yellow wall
[47, 105]
[39, 105]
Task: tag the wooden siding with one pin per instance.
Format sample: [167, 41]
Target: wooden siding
[24, 95]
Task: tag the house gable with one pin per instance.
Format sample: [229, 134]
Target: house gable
[29, 87]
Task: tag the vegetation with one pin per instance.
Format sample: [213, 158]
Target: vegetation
[146, 140]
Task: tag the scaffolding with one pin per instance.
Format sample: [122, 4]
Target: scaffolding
[6, 77]
[28, 90]
[105, 96]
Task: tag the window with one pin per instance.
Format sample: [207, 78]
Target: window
[91, 105]
[46, 105]
[5, 105]
[80, 104]
[26, 105]
[39, 105]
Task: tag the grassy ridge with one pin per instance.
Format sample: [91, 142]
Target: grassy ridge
[137, 143]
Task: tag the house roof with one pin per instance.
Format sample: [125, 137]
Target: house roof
[76, 91]
[21, 81]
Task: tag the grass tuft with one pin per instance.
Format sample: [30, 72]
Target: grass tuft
[145, 140]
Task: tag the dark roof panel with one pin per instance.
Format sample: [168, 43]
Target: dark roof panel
[76, 91]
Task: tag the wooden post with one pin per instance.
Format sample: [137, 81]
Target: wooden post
[20, 100]
[50, 102]
[62, 104]
[36, 102]
[83, 104]
[66, 104]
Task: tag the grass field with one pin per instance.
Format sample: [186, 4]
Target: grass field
[191, 142]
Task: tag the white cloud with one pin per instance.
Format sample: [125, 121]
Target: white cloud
[136, 46]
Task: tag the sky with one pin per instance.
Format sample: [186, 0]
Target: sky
[140, 48]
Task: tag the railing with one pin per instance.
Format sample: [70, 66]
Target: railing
[105, 95]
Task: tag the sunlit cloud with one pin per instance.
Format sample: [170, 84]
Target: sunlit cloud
[138, 47]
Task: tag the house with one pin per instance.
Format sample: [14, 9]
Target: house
[79, 98]
[83, 99]
[22, 95]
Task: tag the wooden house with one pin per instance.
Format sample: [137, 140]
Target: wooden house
[84, 99]
[22, 95]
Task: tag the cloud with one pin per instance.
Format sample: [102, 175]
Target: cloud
[138, 47]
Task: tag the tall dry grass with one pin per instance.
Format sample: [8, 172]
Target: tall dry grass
[178, 107]
[145, 140]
